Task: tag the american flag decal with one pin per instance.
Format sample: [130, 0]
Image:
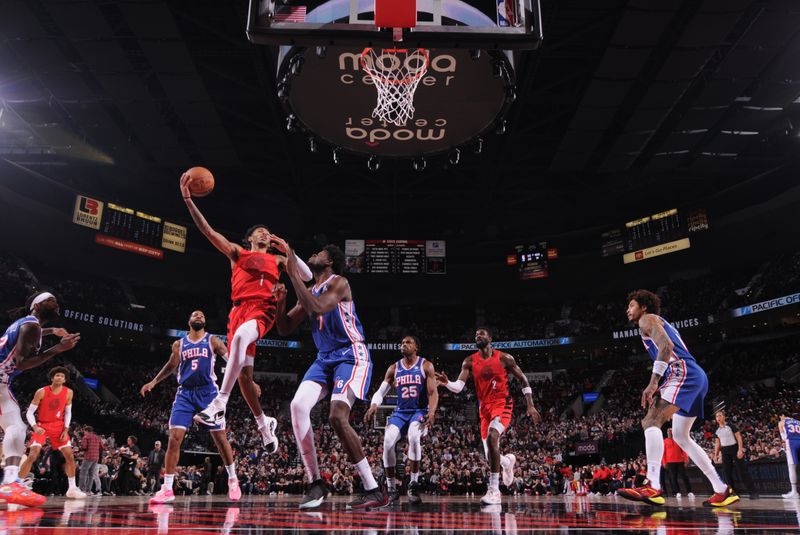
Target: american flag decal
[290, 14]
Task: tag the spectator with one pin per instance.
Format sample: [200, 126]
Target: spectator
[92, 447]
[675, 461]
[155, 463]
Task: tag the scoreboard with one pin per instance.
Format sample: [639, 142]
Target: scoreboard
[653, 230]
[127, 229]
[395, 256]
[653, 235]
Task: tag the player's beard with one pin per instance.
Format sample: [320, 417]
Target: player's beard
[481, 344]
[197, 325]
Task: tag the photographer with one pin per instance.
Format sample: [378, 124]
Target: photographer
[128, 482]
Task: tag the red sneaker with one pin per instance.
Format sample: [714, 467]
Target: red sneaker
[721, 499]
[17, 494]
[645, 494]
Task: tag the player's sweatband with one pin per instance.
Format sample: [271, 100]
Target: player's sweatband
[455, 386]
[377, 397]
[44, 296]
[303, 270]
[67, 415]
[660, 367]
[31, 414]
[527, 390]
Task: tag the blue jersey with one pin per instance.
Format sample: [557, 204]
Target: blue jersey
[792, 427]
[197, 363]
[679, 350]
[337, 328]
[412, 391]
[8, 346]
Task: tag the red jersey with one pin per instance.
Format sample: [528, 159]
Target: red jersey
[254, 274]
[491, 378]
[51, 408]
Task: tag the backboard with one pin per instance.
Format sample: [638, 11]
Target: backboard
[472, 24]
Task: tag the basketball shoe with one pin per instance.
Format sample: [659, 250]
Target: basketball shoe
[492, 497]
[165, 495]
[644, 494]
[721, 499]
[15, 493]
[508, 470]
[268, 435]
[234, 492]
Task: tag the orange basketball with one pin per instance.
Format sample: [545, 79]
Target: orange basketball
[201, 181]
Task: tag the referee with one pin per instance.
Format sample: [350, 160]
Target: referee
[729, 440]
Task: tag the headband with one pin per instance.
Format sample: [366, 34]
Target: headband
[44, 296]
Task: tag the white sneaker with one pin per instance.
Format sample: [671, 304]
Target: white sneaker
[791, 495]
[508, 472]
[76, 493]
[492, 497]
[268, 435]
[212, 415]
[690, 495]
[677, 494]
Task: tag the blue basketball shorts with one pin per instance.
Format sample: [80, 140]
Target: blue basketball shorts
[347, 367]
[685, 384]
[190, 401]
[403, 420]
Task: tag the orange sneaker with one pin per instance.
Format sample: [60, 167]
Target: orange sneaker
[15, 493]
[644, 494]
[721, 499]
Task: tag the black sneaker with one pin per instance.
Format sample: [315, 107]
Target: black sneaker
[315, 495]
[371, 499]
[210, 416]
[413, 493]
[394, 496]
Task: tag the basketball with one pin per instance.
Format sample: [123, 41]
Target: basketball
[201, 181]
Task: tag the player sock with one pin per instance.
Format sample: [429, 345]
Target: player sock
[390, 483]
[261, 420]
[654, 446]
[415, 477]
[10, 474]
[169, 480]
[494, 480]
[365, 472]
[71, 481]
[231, 469]
[222, 398]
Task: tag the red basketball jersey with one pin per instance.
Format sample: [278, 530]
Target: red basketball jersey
[254, 275]
[491, 378]
[51, 409]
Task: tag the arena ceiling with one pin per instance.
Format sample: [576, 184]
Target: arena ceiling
[630, 106]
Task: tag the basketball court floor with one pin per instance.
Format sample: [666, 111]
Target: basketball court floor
[133, 515]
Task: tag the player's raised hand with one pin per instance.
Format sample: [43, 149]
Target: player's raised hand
[279, 291]
[68, 341]
[58, 331]
[370, 414]
[147, 388]
[647, 395]
[184, 186]
[534, 414]
[441, 378]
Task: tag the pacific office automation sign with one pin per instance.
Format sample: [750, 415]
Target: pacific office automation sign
[264, 342]
[517, 344]
[682, 324]
[786, 300]
[102, 321]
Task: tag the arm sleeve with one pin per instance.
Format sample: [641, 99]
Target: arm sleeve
[377, 398]
[67, 415]
[303, 270]
[31, 414]
[455, 386]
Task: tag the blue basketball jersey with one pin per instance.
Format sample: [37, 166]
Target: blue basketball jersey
[792, 427]
[412, 392]
[197, 363]
[8, 346]
[679, 351]
[336, 328]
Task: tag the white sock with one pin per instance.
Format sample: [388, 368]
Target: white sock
[504, 461]
[71, 481]
[390, 482]
[169, 480]
[10, 474]
[415, 477]
[654, 447]
[494, 481]
[365, 472]
[681, 426]
[261, 421]
[222, 399]
[231, 469]
[793, 476]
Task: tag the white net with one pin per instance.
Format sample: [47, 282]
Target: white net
[396, 74]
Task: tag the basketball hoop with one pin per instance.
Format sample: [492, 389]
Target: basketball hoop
[396, 73]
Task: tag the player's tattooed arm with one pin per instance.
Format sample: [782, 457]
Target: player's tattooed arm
[511, 365]
[651, 327]
[167, 370]
[229, 249]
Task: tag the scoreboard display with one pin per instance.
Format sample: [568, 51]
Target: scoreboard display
[127, 229]
[533, 260]
[395, 256]
[653, 235]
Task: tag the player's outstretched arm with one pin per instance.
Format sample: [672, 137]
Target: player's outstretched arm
[28, 355]
[229, 249]
[166, 370]
[377, 398]
[338, 290]
[511, 365]
[433, 392]
[457, 385]
[651, 327]
[286, 322]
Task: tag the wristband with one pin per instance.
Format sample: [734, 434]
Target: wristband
[660, 367]
[527, 390]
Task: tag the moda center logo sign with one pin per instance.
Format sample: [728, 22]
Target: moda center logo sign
[88, 212]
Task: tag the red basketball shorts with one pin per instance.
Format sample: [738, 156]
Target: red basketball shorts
[260, 310]
[53, 432]
[498, 409]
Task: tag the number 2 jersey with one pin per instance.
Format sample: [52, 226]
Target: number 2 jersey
[196, 367]
[410, 383]
[491, 378]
